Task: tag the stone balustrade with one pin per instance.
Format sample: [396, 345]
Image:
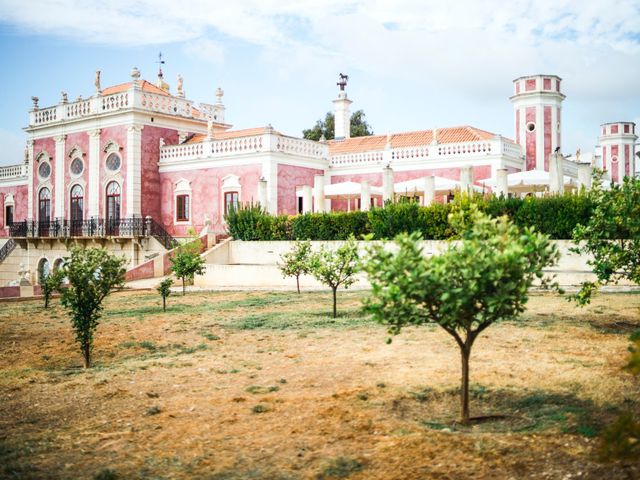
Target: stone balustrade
[13, 171]
[133, 98]
[250, 144]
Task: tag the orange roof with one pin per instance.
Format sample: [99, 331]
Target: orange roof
[408, 139]
[144, 85]
[247, 132]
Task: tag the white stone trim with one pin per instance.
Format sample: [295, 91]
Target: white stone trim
[134, 171]
[60, 200]
[182, 187]
[93, 190]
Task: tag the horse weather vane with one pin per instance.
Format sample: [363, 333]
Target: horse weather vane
[160, 62]
[342, 82]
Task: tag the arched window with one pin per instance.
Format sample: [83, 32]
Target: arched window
[43, 270]
[76, 209]
[113, 208]
[44, 205]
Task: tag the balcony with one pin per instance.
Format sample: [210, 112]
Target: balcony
[92, 228]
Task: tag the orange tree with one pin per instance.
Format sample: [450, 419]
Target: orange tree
[482, 279]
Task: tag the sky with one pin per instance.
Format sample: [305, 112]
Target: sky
[412, 65]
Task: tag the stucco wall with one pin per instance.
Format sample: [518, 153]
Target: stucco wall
[20, 203]
[290, 177]
[151, 187]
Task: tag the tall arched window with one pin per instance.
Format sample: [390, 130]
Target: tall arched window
[113, 208]
[76, 209]
[43, 270]
[44, 205]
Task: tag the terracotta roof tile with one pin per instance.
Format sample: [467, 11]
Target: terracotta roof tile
[247, 132]
[144, 85]
[408, 139]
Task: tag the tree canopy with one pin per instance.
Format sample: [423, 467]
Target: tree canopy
[474, 283]
[326, 127]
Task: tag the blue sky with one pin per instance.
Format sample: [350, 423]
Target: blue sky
[412, 65]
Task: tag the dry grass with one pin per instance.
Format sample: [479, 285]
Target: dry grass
[236, 385]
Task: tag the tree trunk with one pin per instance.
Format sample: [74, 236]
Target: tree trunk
[86, 353]
[164, 303]
[298, 283]
[46, 301]
[183, 287]
[335, 293]
[465, 353]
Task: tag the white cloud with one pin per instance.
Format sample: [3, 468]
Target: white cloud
[205, 49]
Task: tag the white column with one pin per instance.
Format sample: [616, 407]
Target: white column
[584, 176]
[429, 190]
[307, 199]
[262, 194]
[318, 193]
[387, 184]
[30, 170]
[365, 196]
[466, 179]
[60, 194]
[134, 170]
[539, 136]
[502, 183]
[93, 192]
[556, 173]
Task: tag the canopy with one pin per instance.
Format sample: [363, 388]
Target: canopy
[531, 181]
[417, 186]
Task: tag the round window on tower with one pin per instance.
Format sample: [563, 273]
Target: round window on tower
[44, 170]
[614, 159]
[76, 167]
[113, 162]
[531, 126]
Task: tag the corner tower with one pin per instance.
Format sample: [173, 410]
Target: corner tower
[537, 107]
[618, 141]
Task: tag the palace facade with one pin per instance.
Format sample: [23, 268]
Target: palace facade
[135, 165]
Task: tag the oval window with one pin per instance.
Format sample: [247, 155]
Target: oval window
[44, 170]
[113, 162]
[77, 166]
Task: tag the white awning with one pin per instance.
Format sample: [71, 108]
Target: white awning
[416, 186]
[348, 190]
[530, 181]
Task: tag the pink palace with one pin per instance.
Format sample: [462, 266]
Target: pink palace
[135, 165]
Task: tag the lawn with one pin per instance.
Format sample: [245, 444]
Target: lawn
[260, 385]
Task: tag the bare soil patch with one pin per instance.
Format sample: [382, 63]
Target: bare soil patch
[266, 385]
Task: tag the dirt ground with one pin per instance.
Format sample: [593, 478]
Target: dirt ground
[260, 385]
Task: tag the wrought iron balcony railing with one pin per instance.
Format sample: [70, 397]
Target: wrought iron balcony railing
[93, 228]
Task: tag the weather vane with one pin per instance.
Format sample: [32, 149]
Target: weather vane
[160, 62]
[342, 82]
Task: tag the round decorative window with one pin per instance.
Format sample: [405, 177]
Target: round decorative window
[76, 166]
[531, 126]
[113, 162]
[614, 159]
[44, 170]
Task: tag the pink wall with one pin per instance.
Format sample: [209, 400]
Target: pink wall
[151, 188]
[558, 144]
[20, 200]
[290, 177]
[547, 136]
[530, 84]
[627, 161]
[547, 84]
[117, 135]
[80, 140]
[615, 166]
[47, 145]
[530, 161]
[206, 195]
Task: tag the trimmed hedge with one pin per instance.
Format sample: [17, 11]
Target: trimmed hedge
[555, 216]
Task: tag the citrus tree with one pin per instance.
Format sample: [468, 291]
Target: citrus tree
[51, 283]
[164, 289]
[482, 279]
[336, 268]
[612, 235]
[297, 261]
[92, 273]
[186, 261]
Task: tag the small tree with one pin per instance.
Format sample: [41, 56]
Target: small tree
[612, 235]
[297, 261]
[164, 289]
[186, 261]
[93, 273]
[480, 280]
[51, 283]
[336, 267]
[326, 127]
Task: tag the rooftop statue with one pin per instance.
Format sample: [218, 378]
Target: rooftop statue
[97, 81]
[342, 81]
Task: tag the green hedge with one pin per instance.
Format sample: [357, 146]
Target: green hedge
[556, 216]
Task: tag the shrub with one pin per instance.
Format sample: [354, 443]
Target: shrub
[330, 226]
[164, 289]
